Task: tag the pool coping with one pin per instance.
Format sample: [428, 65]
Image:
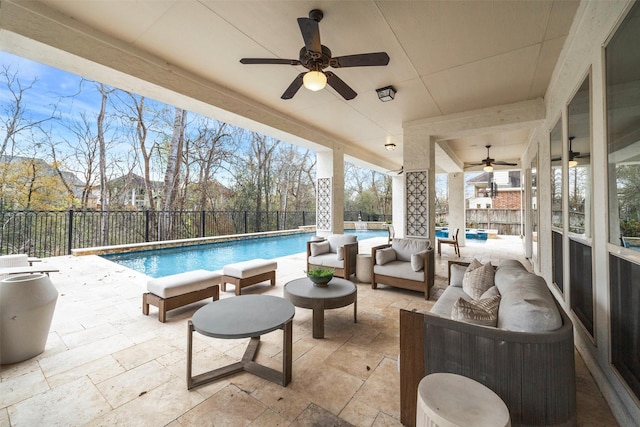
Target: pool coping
[163, 244]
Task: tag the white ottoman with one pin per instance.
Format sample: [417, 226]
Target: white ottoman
[451, 400]
[177, 290]
[248, 273]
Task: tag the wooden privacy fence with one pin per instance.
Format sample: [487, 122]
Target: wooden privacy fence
[506, 221]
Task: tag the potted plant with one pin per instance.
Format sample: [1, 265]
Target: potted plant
[320, 276]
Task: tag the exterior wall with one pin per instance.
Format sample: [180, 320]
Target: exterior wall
[594, 23]
[507, 199]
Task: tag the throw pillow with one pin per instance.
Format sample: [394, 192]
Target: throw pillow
[417, 261]
[384, 256]
[480, 312]
[476, 282]
[341, 253]
[456, 275]
[319, 248]
[490, 293]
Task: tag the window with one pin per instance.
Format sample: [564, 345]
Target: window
[579, 161]
[622, 58]
[555, 142]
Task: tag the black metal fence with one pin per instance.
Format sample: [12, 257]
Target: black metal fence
[53, 233]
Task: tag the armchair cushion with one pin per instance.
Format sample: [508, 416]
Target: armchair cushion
[319, 248]
[384, 256]
[399, 269]
[406, 247]
[338, 240]
[417, 260]
[341, 253]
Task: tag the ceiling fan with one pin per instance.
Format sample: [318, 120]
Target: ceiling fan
[573, 155]
[315, 57]
[488, 163]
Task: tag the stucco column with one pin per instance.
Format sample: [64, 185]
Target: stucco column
[419, 183]
[330, 192]
[457, 212]
[398, 205]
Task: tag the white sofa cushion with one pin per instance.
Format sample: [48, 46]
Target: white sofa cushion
[406, 247]
[337, 240]
[527, 304]
[319, 248]
[445, 302]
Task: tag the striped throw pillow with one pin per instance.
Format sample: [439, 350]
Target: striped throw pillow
[479, 312]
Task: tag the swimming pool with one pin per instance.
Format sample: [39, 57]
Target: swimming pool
[214, 256]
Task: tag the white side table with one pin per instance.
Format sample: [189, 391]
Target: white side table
[448, 400]
[363, 268]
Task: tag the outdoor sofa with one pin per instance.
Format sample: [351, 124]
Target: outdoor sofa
[527, 358]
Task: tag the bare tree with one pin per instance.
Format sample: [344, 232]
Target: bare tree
[15, 118]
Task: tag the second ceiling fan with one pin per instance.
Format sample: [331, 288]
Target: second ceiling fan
[315, 57]
[488, 163]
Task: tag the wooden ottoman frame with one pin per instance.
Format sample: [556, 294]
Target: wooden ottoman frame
[240, 283]
[166, 304]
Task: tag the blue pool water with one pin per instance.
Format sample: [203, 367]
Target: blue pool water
[470, 233]
[213, 256]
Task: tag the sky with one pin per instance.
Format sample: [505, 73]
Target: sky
[53, 86]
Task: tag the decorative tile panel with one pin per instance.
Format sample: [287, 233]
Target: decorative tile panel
[417, 191]
[323, 203]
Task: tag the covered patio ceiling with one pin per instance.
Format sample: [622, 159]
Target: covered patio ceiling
[446, 57]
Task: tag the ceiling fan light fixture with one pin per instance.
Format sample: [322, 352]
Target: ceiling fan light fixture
[390, 146]
[573, 163]
[314, 80]
[386, 93]
[488, 168]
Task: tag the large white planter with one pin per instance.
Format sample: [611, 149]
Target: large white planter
[27, 303]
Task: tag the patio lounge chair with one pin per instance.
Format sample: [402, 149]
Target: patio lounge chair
[21, 264]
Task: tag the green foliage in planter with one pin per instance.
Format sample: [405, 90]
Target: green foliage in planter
[320, 272]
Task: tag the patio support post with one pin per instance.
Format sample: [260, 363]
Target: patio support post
[330, 191]
[457, 211]
[419, 182]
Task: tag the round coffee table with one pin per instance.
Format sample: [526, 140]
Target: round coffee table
[339, 293]
[242, 317]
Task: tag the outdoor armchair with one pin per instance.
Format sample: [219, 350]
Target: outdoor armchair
[337, 251]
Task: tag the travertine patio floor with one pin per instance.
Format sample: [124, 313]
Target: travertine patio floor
[107, 364]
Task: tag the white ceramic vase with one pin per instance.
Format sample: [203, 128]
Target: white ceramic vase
[27, 303]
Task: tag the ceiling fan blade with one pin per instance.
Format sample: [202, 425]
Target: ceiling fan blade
[311, 35]
[503, 163]
[293, 88]
[269, 61]
[556, 159]
[360, 60]
[468, 165]
[581, 156]
[341, 87]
